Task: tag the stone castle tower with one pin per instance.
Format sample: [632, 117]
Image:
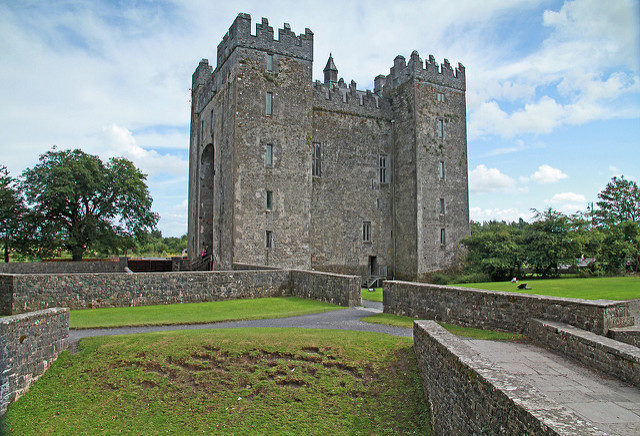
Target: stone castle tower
[288, 172]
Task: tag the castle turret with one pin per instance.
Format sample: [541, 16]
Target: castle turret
[330, 71]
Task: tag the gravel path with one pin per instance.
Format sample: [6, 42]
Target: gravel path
[345, 319]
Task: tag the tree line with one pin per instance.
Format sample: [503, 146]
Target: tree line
[603, 240]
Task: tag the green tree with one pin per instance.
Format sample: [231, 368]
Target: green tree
[548, 242]
[80, 203]
[618, 202]
[494, 249]
[621, 248]
[12, 211]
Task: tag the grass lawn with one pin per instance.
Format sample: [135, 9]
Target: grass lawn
[371, 296]
[605, 288]
[195, 313]
[467, 332]
[229, 381]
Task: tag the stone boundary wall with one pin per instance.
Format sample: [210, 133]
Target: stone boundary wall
[6, 294]
[83, 291]
[500, 310]
[29, 344]
[64, 267]
[248, 267]
[468, 395]
[615, 358]
[338, 289]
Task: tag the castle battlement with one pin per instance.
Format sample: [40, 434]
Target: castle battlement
[428, 71]
[342, 95]
[288, 44]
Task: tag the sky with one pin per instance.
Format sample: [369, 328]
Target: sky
[553, 87]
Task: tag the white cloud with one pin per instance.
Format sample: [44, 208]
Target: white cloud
[568, 202]
[547, 174]
[119, 141]
[483, 179]
[497, 214]
[590, 59]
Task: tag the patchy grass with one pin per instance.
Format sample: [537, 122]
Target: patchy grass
[371, 296]
[229, 381]
[389, 319]
[197, 313]
[605, 288]
[467, 332]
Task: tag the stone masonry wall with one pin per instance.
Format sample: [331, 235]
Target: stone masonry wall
[82, 291]
[500, 310]
[331, 288]
[87, 266]
[29, 343]
[6, 294]
[615, 358]
[348, 191]
[467, 395]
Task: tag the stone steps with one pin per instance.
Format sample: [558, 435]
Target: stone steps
[630, 333]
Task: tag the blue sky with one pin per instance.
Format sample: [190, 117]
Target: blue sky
[553, 87]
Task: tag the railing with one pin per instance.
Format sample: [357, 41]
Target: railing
[202, 263]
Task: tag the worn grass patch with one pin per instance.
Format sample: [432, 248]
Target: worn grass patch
[197, 313]
[231, 381]
[376, 295]
[601, 288]
[467, 332]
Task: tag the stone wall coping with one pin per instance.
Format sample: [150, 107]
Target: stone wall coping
[522, 395]
[596, 303]
[10, 319]
[324, 273]
[608, 345]
[154, 273]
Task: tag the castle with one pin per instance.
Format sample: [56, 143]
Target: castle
[288, 172]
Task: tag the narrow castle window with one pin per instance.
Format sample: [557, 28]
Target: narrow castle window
[442, 206]
[269, 62]
[440, 96]
[268, 159]
[269, 104]
[316, 164]
[441, 168]
[269, 198]
[383, 169]
[269, 240]
[440, 129]
[443, 237]
[212, 123]
[366, 231]
[202, 129]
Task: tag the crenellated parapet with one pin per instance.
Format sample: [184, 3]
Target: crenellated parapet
[288, 44]
[429, 71]
[347, 98]
[202, 75]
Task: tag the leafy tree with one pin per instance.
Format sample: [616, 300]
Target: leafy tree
[12, 211]
[80, 203]
[621, 248]
[618, 202]
[548, 242]
[494, 248]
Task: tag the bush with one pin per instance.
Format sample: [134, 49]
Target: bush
[472, 277]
